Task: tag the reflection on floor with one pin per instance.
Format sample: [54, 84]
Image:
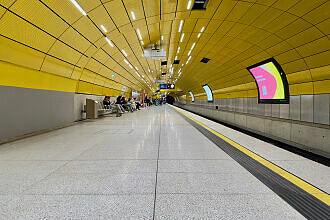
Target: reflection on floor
[144, 165]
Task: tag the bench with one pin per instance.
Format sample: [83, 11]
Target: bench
[94, 109]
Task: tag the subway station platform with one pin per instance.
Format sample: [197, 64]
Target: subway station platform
[158, 163]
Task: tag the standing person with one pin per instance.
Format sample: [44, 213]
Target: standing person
[146, 100]
[137, 103]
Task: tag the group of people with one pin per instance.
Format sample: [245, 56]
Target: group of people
[121, 105]
[157, 101]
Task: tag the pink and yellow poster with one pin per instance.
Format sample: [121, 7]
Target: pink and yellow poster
[269, 80]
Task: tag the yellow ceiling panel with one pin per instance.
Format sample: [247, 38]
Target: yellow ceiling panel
[314, 47]
[238, 11]
[75, 40]
[151, 7]
[294, 28]
[318, 60]
[288, 56]
[117, 12]
[280, 22]
[64, 52]
[304, 37]
[7, 3]
[66, 10]
[88, 29]
[268, 16]
[295, 66]
[224, 9]
[15, 28]
[304, 6]
[13, 52]
[324, 26]
[57, 67]
[169, 6]
[253, 13]
[135, 7]
[284, 4]
[318, 14]
[101, 17]
[34, 12]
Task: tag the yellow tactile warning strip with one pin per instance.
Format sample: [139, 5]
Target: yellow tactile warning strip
[319, 194]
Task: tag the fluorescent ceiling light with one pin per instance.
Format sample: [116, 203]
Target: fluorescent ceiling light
[181, 24]
[139, 33]
[142, 42]
[136, 68]
[162, 37]
[124, 52]
[178, 50]
[202, 29]
[189, 58]
[109, 41]
[182, 36]
[104, 29]
[189, 4]
[79, 7]
[176, 57]
[192, 47]
[199, 35]
[133, 15]
[130, 66]
[126, 61]
[149, 70]
[189, 52]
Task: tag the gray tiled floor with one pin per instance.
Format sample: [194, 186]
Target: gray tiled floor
[110, 168]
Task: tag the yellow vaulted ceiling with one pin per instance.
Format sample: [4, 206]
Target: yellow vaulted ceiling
[55, 37]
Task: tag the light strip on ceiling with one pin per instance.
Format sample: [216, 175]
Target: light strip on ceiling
[189, 4]
[189, 52]
[181, 24]
[142, 42]
[202, 29]
[79, 7]
[139, 33]
[182, 36]
[124, 52]
[199, 35]
[133, 15]
[178, 50]
[104, 29]
[192, 47]
[162, 37]
[109, 41]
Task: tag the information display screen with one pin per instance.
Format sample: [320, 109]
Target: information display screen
[167, 86]
[208, 92]
[192, 96]
[271, 82]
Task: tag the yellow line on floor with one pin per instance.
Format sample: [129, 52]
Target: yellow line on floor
[324, 197]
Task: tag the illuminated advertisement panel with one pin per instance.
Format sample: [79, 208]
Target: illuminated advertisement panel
[271, 82]
[192, 96]
[208, 92]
